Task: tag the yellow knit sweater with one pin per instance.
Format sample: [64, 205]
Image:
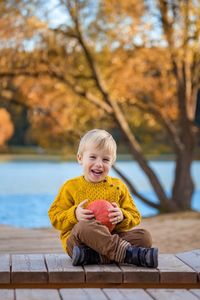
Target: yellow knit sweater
[74, 191]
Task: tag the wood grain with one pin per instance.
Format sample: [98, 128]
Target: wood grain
[192, 259]
[103, 273]
[172, 294]
[82, 294]
[172, 270]
[28, 268]
[61, 270]
[127, 294]
[134, 274]
[37, 294]
[4, 268]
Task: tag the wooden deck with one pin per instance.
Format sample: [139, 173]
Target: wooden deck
[55, 271]
[99, 294]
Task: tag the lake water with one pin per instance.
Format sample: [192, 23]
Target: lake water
[28, 188]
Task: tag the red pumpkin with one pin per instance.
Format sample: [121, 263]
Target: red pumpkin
[100, 210]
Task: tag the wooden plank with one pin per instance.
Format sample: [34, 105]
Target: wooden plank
[103, 274]
[134, 274]
[192, 259]
[82, 294]
[172, 294]
[6, 294]
[37, 294]
[4, 268]
[172, 270]
[61, 270]
[25, 240]
[196, 292]
[127, 294]
[28, 268]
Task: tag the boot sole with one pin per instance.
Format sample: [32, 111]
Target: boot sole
[76, 256]
[155, 258]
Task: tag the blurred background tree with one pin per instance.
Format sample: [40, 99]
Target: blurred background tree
[132, 67]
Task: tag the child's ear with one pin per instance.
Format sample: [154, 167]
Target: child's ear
[79, 158]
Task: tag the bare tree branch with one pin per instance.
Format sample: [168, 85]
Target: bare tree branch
[119, 117]
[59, 76]
[134, 190]
[180, 71]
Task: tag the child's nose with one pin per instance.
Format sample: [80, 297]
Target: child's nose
[99, 162]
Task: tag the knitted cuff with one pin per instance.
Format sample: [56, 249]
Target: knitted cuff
[71, 215]
[124, 223]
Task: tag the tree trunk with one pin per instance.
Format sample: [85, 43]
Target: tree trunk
[183, 184]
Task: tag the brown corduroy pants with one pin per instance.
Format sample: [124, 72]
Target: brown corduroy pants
[110, 246]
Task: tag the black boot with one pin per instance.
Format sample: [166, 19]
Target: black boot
[144, 257]
[84, 256]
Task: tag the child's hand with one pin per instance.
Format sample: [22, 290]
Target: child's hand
[82, 213]
[115, 215]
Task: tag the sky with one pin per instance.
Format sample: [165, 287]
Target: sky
[56, 15]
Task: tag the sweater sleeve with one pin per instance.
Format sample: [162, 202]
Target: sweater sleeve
[130, 212]
[62, 210]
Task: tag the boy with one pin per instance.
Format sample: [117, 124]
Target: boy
[86, 240]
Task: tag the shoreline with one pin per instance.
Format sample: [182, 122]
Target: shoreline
[173, 215]
[6, 157]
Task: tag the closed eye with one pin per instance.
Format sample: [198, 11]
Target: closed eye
[106, 159]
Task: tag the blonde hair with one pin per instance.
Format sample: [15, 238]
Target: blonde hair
[101, 139]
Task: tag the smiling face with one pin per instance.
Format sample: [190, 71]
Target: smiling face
[96, 163]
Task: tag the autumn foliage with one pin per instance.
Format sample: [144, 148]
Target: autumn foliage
[6, 127]
[129, 66]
